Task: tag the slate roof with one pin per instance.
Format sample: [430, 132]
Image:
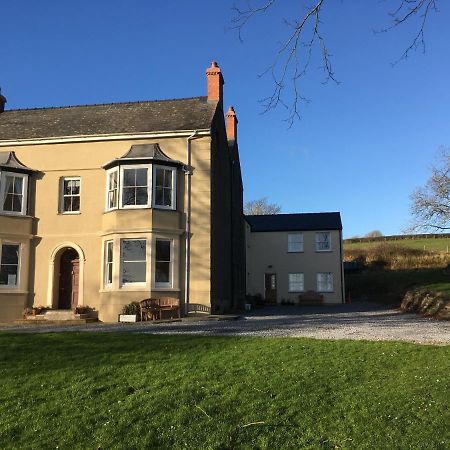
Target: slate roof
[9, 161]
[295, 222]
[142, 153]
[114, 118]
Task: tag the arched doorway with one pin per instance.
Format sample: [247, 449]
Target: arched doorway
[69, 275]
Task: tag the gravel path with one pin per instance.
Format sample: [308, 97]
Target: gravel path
[356, 321]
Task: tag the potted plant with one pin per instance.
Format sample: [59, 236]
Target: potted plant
[36, 310]
[82, 309]
[130, 312]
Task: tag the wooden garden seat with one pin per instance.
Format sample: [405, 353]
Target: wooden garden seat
[149, 308]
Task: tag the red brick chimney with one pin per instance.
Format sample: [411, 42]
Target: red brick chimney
[2, 101]
[232, 122]
[215, 83]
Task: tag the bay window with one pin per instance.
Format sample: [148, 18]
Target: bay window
[112, 189]
[13, 193]
[9, 265]
[133, 261]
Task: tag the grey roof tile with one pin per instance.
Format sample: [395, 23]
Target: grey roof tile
[295, 222]
[115, 118]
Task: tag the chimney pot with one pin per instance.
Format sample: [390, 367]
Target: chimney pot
[231, 122]
[215, 83]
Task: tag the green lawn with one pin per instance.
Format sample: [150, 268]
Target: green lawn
[433, 245]
[129, 391]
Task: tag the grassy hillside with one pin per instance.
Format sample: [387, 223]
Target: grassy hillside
[432, 245]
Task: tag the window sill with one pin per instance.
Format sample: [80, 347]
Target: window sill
[325, 292]
[165, 289]
[324, 251]
[69, 213]
[300, 251]
[13, 214]
[11, 290]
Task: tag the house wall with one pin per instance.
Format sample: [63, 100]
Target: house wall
[88, 230]
[267, 252]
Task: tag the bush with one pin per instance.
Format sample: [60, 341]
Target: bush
[132, 308]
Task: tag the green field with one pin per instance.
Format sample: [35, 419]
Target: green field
[132, 391]
[433, 245]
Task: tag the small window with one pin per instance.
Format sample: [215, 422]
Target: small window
[325, 282]
[112, 189]
[295, 243]
[163, 263]
[135, 187]
[9, 264]
[296, 282]
[70, 201]
[13, 187]
[323, 241]
[163, 190]
[134, 261]
[108, 262]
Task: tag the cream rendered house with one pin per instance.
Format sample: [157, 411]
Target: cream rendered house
[102, 205]
[291, 254]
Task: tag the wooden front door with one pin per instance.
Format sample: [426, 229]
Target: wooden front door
[271, 287]
[68, 279]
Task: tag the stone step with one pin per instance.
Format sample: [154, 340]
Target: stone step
[58, 315]
[44, 322]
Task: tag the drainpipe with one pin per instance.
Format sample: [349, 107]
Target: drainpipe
[188, 173]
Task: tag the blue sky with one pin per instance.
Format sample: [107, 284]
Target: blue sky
[361, 147]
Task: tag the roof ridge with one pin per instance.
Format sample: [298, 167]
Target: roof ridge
[106, 104]
[291, 214]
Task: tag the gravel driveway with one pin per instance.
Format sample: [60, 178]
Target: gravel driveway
[356, 321]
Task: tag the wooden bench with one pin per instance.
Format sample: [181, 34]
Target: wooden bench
[152, 308]
[310, 298]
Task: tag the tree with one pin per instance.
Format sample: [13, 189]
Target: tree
[306, 34]
[374, 233]
[261, 207]
[430, 205]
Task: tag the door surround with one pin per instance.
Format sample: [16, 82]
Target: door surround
[53, 278]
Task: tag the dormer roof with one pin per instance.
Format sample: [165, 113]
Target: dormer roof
[9, 161]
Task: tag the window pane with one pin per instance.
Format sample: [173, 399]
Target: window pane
[134, 250]
[109, 268]
[162, 272]
[128, 196]
[67, 187]
[167, 197]
[162, 250]
[75, 203]
[67, 204]
[9, 184]
[112, 182]
[159, 196]
[141, 177]
[8, 203]
[18, 184]
[17, 203]
[159, 177]
[10, 254]
[133, 272]
[75, 187]
[112, 199]
[109, 251]
[141, 196]
[129, 177]
[8, 275]
[168, 178]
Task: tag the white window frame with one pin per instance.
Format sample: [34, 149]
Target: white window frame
[301, 242]
[61, 195]
[136, 283]
[3, 175]
[169, 284]
[296, 282]
[149, 185]
[108, 264]
[108, 174]
[173, 187]
[12, 286]
[328, 274]
[317, 241]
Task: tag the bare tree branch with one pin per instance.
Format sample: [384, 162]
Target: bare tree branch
[293, 58]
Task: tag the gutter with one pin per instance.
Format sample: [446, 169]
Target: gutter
[342, 267]
[102, 137]
[188, 170]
